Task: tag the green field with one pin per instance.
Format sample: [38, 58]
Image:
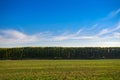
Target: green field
[60, 69]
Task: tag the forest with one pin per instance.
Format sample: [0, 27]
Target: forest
[59, 53]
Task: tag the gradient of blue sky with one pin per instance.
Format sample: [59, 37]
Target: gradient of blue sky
[59, 23]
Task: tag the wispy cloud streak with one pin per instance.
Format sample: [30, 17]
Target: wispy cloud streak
[112, 14]
[107, 30]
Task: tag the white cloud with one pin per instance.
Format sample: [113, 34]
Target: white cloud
[108, 30]
[105, 37]
[66, 36]
[102, 32]
[117, 35]
[13, 34]
[15, 37]
[74, 36]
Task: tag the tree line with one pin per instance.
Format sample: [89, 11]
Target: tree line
[60, 53]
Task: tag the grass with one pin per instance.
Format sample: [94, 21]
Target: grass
[60, 69]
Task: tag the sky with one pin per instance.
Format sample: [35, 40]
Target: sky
[60, 23]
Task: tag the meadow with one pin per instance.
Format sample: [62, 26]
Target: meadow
[101, 69]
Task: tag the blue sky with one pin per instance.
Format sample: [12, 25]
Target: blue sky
[68, 23]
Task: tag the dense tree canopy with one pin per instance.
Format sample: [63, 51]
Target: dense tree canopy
[60, 53]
